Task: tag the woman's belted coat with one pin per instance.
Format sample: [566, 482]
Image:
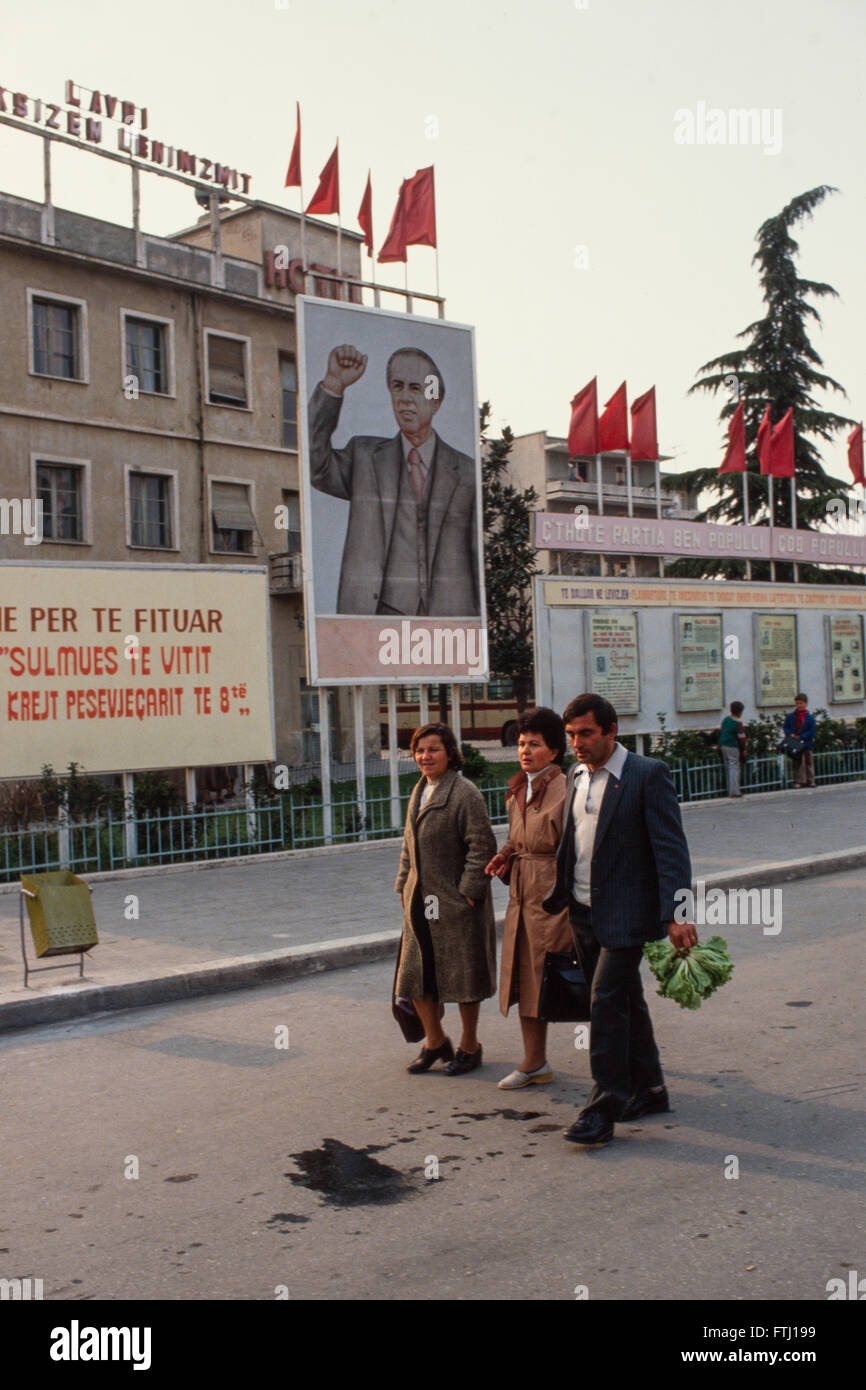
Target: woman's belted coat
[534, 833]
[446, 846]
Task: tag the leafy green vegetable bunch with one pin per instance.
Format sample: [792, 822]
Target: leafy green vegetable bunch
[692, 976]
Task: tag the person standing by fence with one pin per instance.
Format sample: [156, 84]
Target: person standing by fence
[801, 724]
[732, 738]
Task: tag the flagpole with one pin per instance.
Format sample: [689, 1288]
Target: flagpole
[303, 236]
[745, 476]
[772, 522]
[658, 473]
[794, 525]
[602, 564]
[630, 505]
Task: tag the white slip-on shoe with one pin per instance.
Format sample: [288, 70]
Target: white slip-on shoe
[516, 1080]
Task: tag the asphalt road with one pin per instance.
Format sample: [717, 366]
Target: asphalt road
[177, 1153]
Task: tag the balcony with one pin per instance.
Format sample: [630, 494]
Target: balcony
[286, 573]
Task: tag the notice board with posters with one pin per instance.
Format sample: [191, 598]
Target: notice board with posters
[613, 659]
[845, 657]
[649, 631]
[123, 668]
[776, 678]
[391, 497]
[698, 655]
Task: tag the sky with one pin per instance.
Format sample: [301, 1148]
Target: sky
[576, 233]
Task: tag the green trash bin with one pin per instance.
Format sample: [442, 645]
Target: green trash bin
[60, 912]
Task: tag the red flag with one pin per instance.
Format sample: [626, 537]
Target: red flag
[394, 246]
[782, 446]
[764, 430]
[735, 454]
[583, 430]
[644, 439]
[293, 174]
[613, 425]
[420, 227]
[855, 454]
[365, 216]
[327, 196]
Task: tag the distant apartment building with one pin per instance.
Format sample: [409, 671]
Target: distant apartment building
[148, 398]
[542, 461]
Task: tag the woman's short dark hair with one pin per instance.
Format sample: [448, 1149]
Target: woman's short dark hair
[547, 723]
[601, 710]
[449, 742]
[737, 708]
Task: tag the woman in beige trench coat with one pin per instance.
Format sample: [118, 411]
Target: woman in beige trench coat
[528, 859]
[448, 949]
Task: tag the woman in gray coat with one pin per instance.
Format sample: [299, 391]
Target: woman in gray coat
[448, 949]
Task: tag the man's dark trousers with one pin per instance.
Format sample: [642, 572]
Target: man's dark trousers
[623, 1056]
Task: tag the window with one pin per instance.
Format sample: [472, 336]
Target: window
[56, 338]
[146, 357]
[292, 503]
[620, 475]
[227, 375]
[232, 517]
[59, 487]
[289, 383]
[150, 510]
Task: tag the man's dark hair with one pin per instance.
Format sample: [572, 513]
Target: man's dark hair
[547, 723]
[801, 696]
[737, 708]
[425, 356]
[449, 742]
[601, 710]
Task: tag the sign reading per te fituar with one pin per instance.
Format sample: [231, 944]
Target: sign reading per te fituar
[121, 669]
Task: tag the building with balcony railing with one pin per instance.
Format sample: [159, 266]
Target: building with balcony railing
[600, 484]
[148, 395]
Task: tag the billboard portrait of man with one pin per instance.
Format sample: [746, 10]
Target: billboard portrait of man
[411, 543]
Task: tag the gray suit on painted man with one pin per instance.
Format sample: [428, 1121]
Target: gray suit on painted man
[411, 545]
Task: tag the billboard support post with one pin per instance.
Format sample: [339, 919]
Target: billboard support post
[393, 766]
[190, 788]
[250, 802]
[130, 830]
[424, 704]
[63, 855]
[325, 763]
[455, 713]
[360, 760]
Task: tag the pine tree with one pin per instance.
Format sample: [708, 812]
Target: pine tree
[509, 564]
[779, 367]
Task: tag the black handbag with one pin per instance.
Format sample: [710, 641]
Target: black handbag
[564, 994]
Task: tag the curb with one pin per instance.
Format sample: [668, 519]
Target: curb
[247, 972]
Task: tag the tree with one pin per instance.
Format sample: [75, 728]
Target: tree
[509, 563]
[778, 367]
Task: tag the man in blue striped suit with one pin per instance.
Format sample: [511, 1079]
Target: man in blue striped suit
[622, 857]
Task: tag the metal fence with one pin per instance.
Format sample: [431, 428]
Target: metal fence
[295, 820]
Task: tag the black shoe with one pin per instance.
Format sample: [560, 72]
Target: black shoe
[647, 1103]
[463, 1062]
[590, 1129]
[428, 1055]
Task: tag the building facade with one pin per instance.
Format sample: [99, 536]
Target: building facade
[542, 461]
[148, 394]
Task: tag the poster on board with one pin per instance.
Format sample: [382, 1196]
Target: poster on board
[698, 639]
[845, 656]
[776, 659]
[391, 497]
[612, 651]
[124, 668]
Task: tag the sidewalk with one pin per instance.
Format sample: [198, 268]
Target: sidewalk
[205, 929]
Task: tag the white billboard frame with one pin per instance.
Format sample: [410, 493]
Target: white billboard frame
[441, 624]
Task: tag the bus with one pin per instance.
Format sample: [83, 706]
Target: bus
[487, 710]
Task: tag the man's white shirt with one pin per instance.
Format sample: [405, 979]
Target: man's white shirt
[588, 793]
